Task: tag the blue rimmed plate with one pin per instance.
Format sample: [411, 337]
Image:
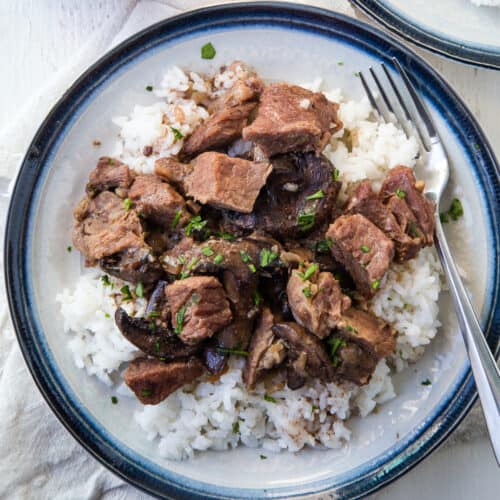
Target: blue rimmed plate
[453, 28]
[281, 41]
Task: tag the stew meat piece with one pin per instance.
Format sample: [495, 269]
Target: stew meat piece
[354, 363]
[365, 202]
[157, 201]
[291, 118]
[218, 180]
[226, 123]
[316, 303]
[199, 307]
[109, 174]
[400, 181]
[363, 249]
[153, 380]
[265, 351]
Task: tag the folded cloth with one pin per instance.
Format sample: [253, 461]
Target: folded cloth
[39, 458]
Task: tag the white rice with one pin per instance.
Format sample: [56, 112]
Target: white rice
[222, 414]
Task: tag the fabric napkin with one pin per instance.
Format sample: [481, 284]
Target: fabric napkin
[39, 459]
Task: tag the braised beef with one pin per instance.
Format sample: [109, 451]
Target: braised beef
[199, 307]
[109, 174]
[354, 363]
[152, 338]
[291, 118]
[153, 380]
[364, 250]
[298, 197]
[316, 303]
[400, 181]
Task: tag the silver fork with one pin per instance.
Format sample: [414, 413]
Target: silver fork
[402, 104]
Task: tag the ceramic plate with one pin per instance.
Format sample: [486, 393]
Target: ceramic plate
[281, 41]
[454, 28]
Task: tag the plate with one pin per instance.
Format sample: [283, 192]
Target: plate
[281, 41]
[453, 28]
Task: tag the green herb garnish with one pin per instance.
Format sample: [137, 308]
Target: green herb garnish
[69, 248]
[306, 221]
[146, 392]
[153, 314]
[177, 133]
[309, 272]
[208, 51]
[195, 298]
[267, 257]
[335, 344]
[181, 259]
[340, 63]
[245, 257]
[207, 251]
[364, 248]
[426, 382]
[412, 229]
[107, 315]
[176, 219]
[324, 246]
[218, 259]
[270, 399]
[226, 350]
[263, 457]
[375, 284]
[110, 161]
[335, 174]
[252, 268]
[193, 263]
[456, 209]
[179, 320]
[257, 298]
[236, 427]
[105, 280]
[307, 291]
[127, 203]
[314, 408]
[114, 400]
[125, 290]
[316, 196]
[149, 88]
[225, 236]
[195, 224]
[139, 290]
[400, 193]
[444, 218]
[184, 275]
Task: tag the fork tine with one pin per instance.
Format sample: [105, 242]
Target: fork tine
[371, 97]
[381, 90]
[396, 91]
[417, 101]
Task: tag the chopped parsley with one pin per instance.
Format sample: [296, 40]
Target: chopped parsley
[126, 292]
[226, 236]
[184, 275]
[193, 263]
[179, 320]
[207, 251]
[270, 399]
[219, 258]
[426, 382]
[400, 193]
[357, 74]
[149, 88]
[340, 63]
[245, 257]
[375, 284]
[314, 408]
[324, 246]
[139, 290]
[306, 221]
[105, 280]
[263, 457]
[107, 315]
[252, 268]
[208, 51]
[413, 230]
[364, 248]
[176, 219]
[236, 427]
[335, 344]
[110, 161]
[309, 272]
[195, 298]
[307, 291]
[257, 298]
[177, 133]
[267, 257]
[456, 209]
[146, 392]
[226, 350]
[153, 314]
[181, 259]
[127, 203]
[316, 196]
[444, 217]
[335, 174]
[195, 224]
[114, 400]
[69, 248]
[350, 328]
[157, 344]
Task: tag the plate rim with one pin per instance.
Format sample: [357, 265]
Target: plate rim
[413, 32]
[18, 221]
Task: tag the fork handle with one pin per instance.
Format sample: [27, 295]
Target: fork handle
[484, 366]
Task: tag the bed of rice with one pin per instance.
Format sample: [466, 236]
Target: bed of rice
[220, 414]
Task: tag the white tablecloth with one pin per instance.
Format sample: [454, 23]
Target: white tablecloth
[38, 457]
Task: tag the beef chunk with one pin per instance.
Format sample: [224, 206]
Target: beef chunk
[226, 123]
[265, 351]
[173, 171]
[317, 303]
[371, 333]
[365, 202]
[157, 201]
[109, 174]
[299, 196]
[400, 181]
[354, 364]
[153, 380]
[305, 350]
[152, 338]
[199, 307]
[104, 227]
[290, 118]
[364, 250]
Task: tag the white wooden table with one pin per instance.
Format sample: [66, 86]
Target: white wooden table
[43, 47]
